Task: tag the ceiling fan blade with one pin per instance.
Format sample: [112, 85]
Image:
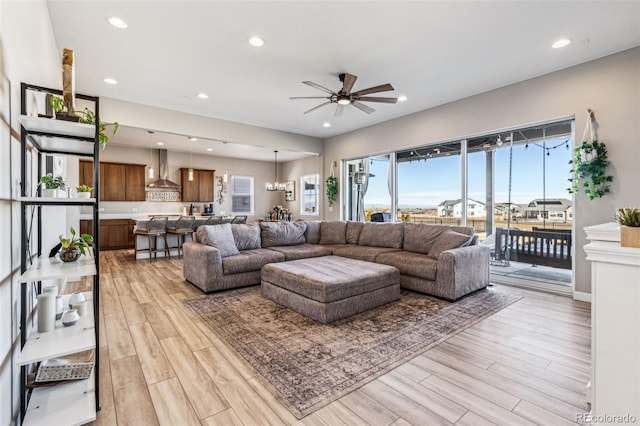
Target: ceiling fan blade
[378, 99]
[348, 80]
[317, 86]
[310, 97]
[362, 107]
[339, 110]
[382, 88]
[319, 106]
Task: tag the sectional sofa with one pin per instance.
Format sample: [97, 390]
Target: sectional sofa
[438, 260]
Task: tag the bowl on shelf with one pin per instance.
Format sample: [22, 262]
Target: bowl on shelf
[70, 317]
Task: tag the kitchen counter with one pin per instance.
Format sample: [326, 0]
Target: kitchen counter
[134, 216]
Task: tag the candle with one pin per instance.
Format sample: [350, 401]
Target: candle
[46, 312]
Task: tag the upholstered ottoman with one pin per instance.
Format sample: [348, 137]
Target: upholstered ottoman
[330, 288]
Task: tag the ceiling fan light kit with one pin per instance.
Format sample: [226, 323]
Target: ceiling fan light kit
[345, 97]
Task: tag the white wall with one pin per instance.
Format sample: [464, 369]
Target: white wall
[27, 54]
[610, 86]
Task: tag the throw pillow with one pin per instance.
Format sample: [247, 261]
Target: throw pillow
[312, 234]
[353, 232]
[448, 240]
[247, 237]
[282, 233]
[220, 237]
[419, 237]
[333, 232]
[382, 235]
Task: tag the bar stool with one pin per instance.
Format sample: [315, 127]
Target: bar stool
[214, 220]
[154, 228]
[182, 228]
[239, 219]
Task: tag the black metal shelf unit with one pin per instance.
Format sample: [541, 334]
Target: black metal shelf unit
[41, 136]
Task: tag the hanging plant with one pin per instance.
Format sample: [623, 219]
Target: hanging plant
[589, 170]
[332, 190]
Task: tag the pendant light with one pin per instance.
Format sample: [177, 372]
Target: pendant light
[275, 186]
[191, 163]
[152, 174]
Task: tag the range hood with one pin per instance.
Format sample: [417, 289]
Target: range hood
[163, 183]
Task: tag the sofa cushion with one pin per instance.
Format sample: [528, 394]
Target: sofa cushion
[448, 240]
[353, 232]
[282, 233]
[333, 232]
[382, 235]
[419, 237]
[302, 251]
[247, 237]
[250, 260]
[218, 236]
[368, 254]
[409, 263]
[312, 234]
[333, 247]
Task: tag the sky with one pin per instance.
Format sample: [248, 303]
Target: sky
[427, 183]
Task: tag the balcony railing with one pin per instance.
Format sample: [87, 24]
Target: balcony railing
[538, 247]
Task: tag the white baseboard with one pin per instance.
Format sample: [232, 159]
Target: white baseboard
[582, 297]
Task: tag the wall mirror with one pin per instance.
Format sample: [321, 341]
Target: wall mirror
[309, 194]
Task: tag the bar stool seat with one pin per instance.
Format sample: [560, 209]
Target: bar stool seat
[154, 228]
[182, 228]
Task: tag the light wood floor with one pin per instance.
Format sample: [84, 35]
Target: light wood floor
[527, 364]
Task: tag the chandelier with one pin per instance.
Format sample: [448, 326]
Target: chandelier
[275, 186]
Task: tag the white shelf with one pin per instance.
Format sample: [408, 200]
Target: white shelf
[51, 268]
[49, 200]
[58, 127]
[61, 340]
[72, 403]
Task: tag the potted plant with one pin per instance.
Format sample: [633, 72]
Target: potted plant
[86, 117]
[629, 220]
[84, 191]
[589, 170]
[332, 190]
[52, 185]
[72, 248]
[57, 104]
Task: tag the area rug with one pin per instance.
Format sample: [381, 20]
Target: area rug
[307, 365]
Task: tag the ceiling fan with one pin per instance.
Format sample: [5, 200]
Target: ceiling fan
[345, 97]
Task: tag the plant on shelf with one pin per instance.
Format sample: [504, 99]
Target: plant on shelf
[332, 190]
[589, 166]
[629, 220]
[72, 248]
[86, 117]
[52, 184]
[84, 191]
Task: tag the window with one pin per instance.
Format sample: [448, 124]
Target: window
[310, 194]
[241, 195]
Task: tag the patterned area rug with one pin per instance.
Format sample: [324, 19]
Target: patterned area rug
[307, 365]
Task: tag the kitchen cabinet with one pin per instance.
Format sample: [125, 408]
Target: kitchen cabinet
[120, 181]
[200, 189]
[114, 233]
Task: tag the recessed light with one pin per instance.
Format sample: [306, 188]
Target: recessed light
[118, 23]
[210, 149]
[256, 41]
[192, 138]
[402, 98]
[561, 43]
[202, 96]
[109, 80]
[160, 143]
[326, 124]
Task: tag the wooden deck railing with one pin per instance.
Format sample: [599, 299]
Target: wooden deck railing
[538, 247]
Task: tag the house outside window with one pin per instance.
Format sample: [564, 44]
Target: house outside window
[241, 195]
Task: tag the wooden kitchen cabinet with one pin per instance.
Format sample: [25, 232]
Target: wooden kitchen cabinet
[114, 233]
[118, 181]
[200, 189]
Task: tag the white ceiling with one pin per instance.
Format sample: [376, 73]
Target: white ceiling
[433, 52]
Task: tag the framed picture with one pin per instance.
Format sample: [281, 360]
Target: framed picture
[290, 191]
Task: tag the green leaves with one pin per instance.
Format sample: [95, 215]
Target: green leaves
[628, 217]
[83, 242]
[589, 167]
[332, 189]
[51, 182]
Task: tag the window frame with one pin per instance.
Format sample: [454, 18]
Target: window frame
[316, 212]
[251, 195]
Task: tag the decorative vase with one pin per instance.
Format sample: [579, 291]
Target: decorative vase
[70, 317]
[75, 298]
[50, 193]
[46, 312]
[630, 236]
[84, 195]
[70, 254]
[59, 307]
